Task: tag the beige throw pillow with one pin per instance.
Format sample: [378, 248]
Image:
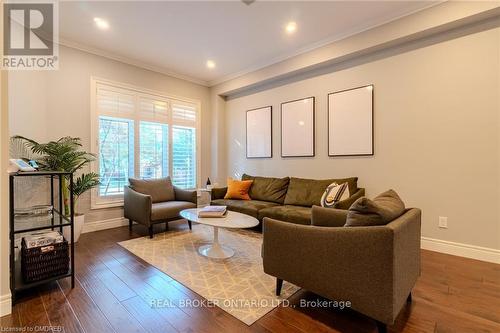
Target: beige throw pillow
[334, 193]
[383, 209]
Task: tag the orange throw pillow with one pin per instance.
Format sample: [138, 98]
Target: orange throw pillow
[238, 189]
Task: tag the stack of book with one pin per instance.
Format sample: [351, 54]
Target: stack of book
[213, 211]
[43, 238]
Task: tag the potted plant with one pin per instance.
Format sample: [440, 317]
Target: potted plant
[66, 155]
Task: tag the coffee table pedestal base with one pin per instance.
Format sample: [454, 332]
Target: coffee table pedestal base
[216, 250]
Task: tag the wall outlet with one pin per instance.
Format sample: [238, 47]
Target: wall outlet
[443, 222]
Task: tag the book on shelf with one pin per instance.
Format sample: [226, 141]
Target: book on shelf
[42, 238]
[213, 211]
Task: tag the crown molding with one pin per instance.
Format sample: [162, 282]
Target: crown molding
[129, 61]
[260, 65]
[316, 45]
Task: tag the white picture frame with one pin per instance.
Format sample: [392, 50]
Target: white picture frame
[259, 132]
[350, 122]
[298, 128]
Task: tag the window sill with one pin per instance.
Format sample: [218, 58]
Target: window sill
[104, 205]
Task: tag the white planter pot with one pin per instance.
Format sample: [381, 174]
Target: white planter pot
[79, 221]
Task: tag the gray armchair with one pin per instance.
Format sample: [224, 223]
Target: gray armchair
[373, 267]
[155, 201]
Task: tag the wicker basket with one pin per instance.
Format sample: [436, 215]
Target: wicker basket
[43, 262]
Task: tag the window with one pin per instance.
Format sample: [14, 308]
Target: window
[141, 135]
[184, 161]
[116, 146]
[153, 154]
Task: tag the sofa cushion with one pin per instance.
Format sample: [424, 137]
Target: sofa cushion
[308, 192]
[249, 207]
[383, 209]
[160, 189]
[169, 209]
[288, 213]
[268, 188]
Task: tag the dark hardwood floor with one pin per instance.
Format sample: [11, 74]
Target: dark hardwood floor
[114, 289]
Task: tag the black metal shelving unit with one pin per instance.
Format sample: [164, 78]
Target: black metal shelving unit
[57, 221]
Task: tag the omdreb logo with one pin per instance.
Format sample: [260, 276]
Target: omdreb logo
[30, 36]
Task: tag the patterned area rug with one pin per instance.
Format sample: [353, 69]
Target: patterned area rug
[238, 285]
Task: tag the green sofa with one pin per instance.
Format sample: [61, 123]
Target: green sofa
[286, 199]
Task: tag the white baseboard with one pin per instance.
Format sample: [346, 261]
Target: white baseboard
[461, 250]
[104, 224]
[432, 244]
[5, 305]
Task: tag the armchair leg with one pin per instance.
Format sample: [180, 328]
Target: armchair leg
[382, 328]
[130, 224]
[151, 231]
[409, 299]
[166, 226]
[190, 226]
[279, 284]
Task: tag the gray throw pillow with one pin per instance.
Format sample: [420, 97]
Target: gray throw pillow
[160, 189]
[383, 209]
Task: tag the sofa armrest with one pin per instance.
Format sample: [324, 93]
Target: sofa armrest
[351, 264]
[328, 217]
[407, 238]
[185, 195]
[137, 206]
[218, 193]
[345, 204]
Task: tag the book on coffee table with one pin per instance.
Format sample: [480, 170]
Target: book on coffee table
[213, 211]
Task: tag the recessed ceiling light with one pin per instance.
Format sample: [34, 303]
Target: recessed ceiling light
[291, 27]
[101, 24]
[210, 64]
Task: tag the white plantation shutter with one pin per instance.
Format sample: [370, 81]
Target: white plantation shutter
[184, 120]
[155, 109]
[183, 113]
[184, 156]
[143, 135]
[114, 102]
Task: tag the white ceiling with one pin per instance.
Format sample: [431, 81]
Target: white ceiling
[179, 37]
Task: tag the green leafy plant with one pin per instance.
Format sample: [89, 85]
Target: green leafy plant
[65, 155]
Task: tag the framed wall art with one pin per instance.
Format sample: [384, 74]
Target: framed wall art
[350, 122]
[297, 128]
[259, 132]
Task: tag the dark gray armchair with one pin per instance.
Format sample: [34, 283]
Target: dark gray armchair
[152, 201]
[373, 267]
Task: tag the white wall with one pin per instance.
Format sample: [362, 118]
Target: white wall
[47, 105]
[436, 134]
[5, 297]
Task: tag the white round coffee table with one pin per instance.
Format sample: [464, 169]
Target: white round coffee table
[232, 220]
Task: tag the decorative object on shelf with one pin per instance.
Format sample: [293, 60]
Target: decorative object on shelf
[259, 132]
[350, 122]
[18, 164]
[64, 154]
[45, 257]
[297, 128]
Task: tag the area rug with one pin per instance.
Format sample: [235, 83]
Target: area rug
[238, 285]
